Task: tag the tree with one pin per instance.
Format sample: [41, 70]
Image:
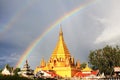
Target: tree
[83, 65]
[105, 59]
[0, 70]
[16, 71]
[9, 67]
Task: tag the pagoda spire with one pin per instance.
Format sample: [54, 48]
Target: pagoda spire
[43, 63]
[61, 50]
[61, 32]
[26, 62]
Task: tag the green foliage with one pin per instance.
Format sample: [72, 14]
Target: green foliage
[9, 68]
[2, 77]
[0, 70]
[83, 65]
[16, 71]
[105, 59]
[16, 77]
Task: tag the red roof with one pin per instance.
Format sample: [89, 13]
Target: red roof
[81, 74]
[94, 72]
[53, 74]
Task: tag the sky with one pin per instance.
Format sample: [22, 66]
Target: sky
[23, 21]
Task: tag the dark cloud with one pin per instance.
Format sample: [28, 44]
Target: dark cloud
[10, 59]
[30, 19]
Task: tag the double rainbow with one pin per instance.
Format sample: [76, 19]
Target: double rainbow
[15, 17]
[57, 22]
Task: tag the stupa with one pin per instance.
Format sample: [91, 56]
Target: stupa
[26, 71]
[61, 61]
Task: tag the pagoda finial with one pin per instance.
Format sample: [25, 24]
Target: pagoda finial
[61, 33]
[43, 63]
[26, 62]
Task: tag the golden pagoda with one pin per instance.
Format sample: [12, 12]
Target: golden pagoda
[60, 61]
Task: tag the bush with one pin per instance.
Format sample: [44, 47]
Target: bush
[3, 77]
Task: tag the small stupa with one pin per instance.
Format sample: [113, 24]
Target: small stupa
[26, 71]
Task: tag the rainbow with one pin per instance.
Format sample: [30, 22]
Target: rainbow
[61, 19]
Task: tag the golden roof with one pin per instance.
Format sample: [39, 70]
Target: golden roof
[61, 50]
[87, 69]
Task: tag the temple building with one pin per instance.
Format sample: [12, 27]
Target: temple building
[87, 72]
[26, 71]
[7, 70]
[61, 61]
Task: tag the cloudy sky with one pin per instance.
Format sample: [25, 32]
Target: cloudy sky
[23, 21]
